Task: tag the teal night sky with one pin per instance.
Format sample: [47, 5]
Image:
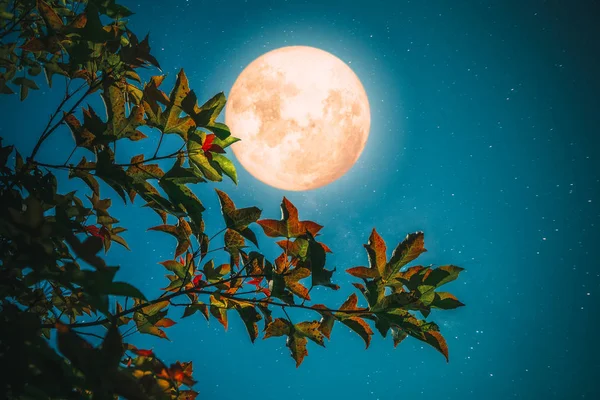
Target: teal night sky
[484, 135]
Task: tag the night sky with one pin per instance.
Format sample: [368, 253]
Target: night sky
[484, 135]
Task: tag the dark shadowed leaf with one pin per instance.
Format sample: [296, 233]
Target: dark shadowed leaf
[446, 301]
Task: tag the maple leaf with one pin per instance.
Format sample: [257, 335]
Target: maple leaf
[148, 319]
[168, 120]
[249, 315]
[181, 232]
[93, 230]
[297, 336]
[218, 309]
[119, 125]
[82, 171]
[353, 321]
[139, 174]
[377, 258]
[197, 280]
[178, 372]
[409, 249]
[234, 242]
[258, 282]
[238, 219]
[137, 53]
[292, 279]
[208, 147]
[406, 251]
[289, 226]
[83, 137]
[205, 116]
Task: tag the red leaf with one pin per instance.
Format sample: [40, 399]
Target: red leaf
[165, 323]
[97, 232]
[255, 281]
[208, 142]
[143, 353]
[197, 279]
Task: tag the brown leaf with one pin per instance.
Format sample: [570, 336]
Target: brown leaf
[436, 339]
[51, 18]
[289, 226]
[181, 232]
[376, 250]
[310, 329]
[218, 309]
[291, 281]
[278, 327]
[361, 327]
[297, 346]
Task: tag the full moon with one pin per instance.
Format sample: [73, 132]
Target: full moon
[303, 117]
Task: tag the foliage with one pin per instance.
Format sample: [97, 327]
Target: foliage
[52, 274]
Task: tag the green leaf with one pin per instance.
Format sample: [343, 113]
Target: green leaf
[226, 166]
[25, 84]
[446, 301]
[181, 232]
[192, 308]
[115, 176]
[250, 317]
[52, 68]
[409, 249]
[297, 346]
[198, 159]
[311, 331]
[147, 318]
[234, 242]
[398, 335]
[170, 118]
[126, 289]
[442, 275]
[238, 219]
[111, 351]
[176, 267]
[218, 309]
[205, 116]
[119, 125]
[224, 143]
[220, 130]
[316, 263]
[185, 201]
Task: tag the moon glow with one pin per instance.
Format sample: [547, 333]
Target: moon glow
[303, 117]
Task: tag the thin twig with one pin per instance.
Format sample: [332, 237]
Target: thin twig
[48, 131]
